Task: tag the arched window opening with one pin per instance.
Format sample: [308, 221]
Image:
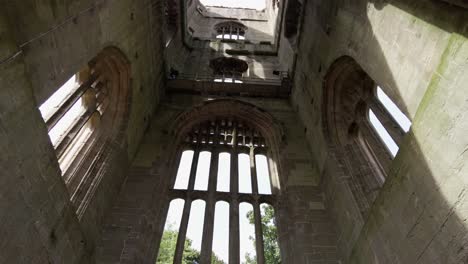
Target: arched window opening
[230, 31]
[270, 234]
[228, 70]
[221, 231]
[171, 232]
[248, 251]
[364, 126]
[71, 116]
[218, 163]
[194, 229]
[83, 115]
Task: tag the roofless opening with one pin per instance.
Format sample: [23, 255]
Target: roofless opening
[248, 4]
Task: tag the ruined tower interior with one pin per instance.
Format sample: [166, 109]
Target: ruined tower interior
[221, 131]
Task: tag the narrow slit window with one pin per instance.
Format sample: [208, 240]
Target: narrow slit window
[245, 181]
[224, 172]
[263, 174]
[221, 231]
[183, 173]
[248, 252]
[393, 110]
[270, 234]
[171, 232]
[383, 134]
[203, 171]
[193, 239]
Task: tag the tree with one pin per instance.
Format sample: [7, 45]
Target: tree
[190, 255]
[270, 236]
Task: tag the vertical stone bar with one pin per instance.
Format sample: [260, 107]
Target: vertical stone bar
[182, 232]
[259, 234]
[253, 171]
[234, 248]
[193, 168]
[207, 241]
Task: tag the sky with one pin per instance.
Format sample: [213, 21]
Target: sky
[221, 224]
[253, 4]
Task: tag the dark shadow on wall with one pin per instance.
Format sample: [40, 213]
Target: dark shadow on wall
[411, 220]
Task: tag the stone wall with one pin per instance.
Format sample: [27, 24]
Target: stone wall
[405, 47]
[42, 46]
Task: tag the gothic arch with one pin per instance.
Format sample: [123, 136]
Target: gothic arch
[111, 68]
[249, 113]
[347, 95]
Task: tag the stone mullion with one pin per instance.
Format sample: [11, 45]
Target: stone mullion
[393, 128]
[234, 248]
[234, 240]
[193, 168]
[207, 241]
[182, 232]
[253, 171]
[258, 233]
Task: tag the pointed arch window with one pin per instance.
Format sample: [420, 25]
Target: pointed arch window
[365, 124]
[82, 116]
[224, 163]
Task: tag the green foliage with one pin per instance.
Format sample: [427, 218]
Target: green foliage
[190, 255]
[270, 237]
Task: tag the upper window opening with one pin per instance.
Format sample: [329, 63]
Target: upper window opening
[245, 179]
[230, 30]
[203, 170]
[224, 172]
[183, 173]
[393, 110]
[263, 175]
[250, 4]
[227, 80]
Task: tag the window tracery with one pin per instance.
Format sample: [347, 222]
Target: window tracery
[230, 31]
